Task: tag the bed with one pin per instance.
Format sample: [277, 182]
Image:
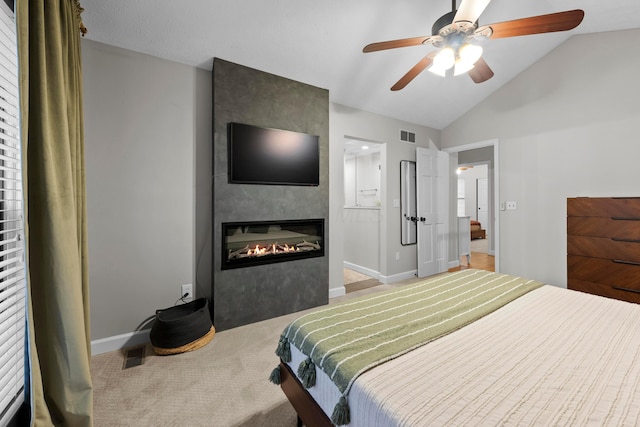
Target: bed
[546, 356]
[477, 232]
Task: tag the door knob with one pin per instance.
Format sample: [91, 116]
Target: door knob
[422, 219]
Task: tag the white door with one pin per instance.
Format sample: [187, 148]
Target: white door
[432, 200]
[482, 197]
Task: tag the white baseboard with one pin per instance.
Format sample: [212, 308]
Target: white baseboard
[117, 342]
[398, 277]
[363, 270]
[376, 274]
[337, 292]
[454, 264]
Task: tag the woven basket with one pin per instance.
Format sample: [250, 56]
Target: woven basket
[182, 328]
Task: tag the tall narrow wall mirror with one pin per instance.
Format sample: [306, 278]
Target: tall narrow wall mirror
[408, 213]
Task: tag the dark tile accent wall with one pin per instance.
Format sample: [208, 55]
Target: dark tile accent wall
[247, 295]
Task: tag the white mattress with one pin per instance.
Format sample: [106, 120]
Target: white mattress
[552, 357]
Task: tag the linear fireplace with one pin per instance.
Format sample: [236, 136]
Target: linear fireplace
[253, 243]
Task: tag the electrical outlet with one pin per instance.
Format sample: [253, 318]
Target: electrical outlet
[186, 289]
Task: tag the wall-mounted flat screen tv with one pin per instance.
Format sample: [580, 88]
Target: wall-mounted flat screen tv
[260, 155]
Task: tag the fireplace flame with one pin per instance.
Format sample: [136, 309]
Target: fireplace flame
[273, 249]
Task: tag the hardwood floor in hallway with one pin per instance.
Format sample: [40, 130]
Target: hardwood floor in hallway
[479, 260]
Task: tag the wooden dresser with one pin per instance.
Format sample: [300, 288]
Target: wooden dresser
[603, 246]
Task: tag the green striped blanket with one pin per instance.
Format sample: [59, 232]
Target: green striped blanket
[347, 339]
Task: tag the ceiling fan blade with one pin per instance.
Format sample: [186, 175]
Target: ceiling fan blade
[480, 72]
[470, 10]
[413, 72]
[392, 44]
[561, 21]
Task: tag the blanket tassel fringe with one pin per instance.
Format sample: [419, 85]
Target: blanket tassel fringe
[275, 376]
[284, 349]
[307, 373]
[341, 415]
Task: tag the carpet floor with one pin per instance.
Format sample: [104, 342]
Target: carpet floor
[225, 383]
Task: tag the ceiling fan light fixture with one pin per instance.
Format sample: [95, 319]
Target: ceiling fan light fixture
[445, 59]
[462, 67]
[470, 53]
[437, 70]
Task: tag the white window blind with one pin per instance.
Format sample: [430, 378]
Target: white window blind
[12, 271]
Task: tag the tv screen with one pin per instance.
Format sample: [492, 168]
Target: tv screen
[272, 156]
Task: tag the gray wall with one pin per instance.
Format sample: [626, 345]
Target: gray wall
[139, 139]
[567, 126]
[203, 94]
[245, 295]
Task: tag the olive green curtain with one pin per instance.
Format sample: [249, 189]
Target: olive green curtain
[55, 208]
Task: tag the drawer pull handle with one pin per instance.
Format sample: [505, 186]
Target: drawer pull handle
[620, 239]
[624, 218]
[636, 291]
[621, 261]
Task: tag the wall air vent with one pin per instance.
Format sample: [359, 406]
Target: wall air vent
[406, 136]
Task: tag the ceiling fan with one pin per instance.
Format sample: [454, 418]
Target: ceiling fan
[458, 37]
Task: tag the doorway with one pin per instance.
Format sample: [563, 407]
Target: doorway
[485, 152]
[473, 201]
[364, 178]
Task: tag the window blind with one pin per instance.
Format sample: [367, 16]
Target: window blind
[12, 270]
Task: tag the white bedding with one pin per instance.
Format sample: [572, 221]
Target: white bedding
[552, 357]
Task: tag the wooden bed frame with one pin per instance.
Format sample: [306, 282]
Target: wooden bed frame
[309, 412]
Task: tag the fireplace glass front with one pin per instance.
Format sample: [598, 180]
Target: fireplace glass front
[253, 243]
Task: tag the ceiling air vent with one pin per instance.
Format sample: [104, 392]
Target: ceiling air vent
[406, 136]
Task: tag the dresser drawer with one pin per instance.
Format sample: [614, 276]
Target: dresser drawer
[603, 271]
[603, 227]
[604, 207]
[604, 290]
[602, 247]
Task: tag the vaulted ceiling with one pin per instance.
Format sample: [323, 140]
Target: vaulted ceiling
[320, 43]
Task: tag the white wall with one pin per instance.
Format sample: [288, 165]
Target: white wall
[362, 178]
[361, 240]
[567, 127]
[139, 142]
